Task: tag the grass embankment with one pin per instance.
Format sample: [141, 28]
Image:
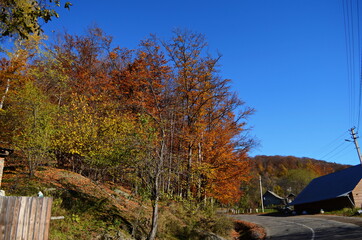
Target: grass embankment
[108, 211]
[347, 212]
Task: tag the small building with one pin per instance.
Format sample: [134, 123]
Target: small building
[334, 191]
[272, 199]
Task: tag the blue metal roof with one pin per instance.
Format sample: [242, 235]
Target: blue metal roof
[337, 184]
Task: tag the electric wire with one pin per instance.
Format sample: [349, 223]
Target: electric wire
[346, 21]
[351, 21]
[326, 148]
[339, 153]
[360, 66]
[352, 37]
[335, 149]
[352, 59]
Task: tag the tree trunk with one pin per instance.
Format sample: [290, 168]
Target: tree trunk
[154, 225]
[6, 91]
[155, 196]
[189, 172]
[156, 190]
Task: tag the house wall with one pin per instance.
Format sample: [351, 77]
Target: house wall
[357, 195]
[326, 205]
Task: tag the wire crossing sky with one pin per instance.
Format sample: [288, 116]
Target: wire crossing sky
[351, 17]
[296, 62]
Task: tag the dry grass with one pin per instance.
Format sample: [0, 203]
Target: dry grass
[249, 231]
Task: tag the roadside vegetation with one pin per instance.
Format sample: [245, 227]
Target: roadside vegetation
[158, 121]
[108, 211]
[348, 212]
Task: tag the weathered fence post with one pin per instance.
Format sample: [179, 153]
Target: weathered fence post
[25, 218]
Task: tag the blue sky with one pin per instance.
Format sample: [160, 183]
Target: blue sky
[286, 59]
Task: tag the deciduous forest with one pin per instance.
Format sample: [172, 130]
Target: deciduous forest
[159, 119]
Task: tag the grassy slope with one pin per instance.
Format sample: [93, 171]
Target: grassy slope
[90, 209]
[93, 210]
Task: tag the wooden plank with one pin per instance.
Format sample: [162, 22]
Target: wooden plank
[14, 222]
[25, 218]
[4, 203]
[43, 218]
[9, 217]
[21, 218]
[32, 219]
[2, 219]
[27, 210]
[47, 219]
[39, 203]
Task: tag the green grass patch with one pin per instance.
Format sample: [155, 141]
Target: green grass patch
[349, 212]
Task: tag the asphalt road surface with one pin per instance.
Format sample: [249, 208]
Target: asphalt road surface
[307, 227]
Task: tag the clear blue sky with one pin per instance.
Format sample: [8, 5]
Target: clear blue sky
[286, 59]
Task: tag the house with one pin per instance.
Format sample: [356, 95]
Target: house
[272, 199]
[332, 192]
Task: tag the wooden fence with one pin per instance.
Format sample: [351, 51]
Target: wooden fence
[25, 218]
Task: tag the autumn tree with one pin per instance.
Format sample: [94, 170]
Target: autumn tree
[21, 18]
[82, 76]
[13, 65]
[154, 100]
[25, 113]
[159, 118]
[33, 128]
[209, 131]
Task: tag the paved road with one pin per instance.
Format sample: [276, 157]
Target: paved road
[305, 227]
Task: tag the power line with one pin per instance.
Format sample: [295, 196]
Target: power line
[331, 144]
[339, 153]
[334, 149]
[360, 66]
[353, 56]
[348, 50]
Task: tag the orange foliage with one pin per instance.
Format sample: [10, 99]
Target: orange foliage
[177, 104]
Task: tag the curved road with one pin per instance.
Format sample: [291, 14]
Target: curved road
[306, 227]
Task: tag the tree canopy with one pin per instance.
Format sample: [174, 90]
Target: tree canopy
[21, 18]
[159, 119]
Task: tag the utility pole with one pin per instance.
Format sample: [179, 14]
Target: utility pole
[261, 195]
[354, 137]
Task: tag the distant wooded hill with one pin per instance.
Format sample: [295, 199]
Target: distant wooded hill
[283, 175]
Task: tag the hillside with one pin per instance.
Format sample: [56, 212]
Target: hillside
[106, 210]
[278, 165]
[283, 175]
[94, 210]
[91, 210]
